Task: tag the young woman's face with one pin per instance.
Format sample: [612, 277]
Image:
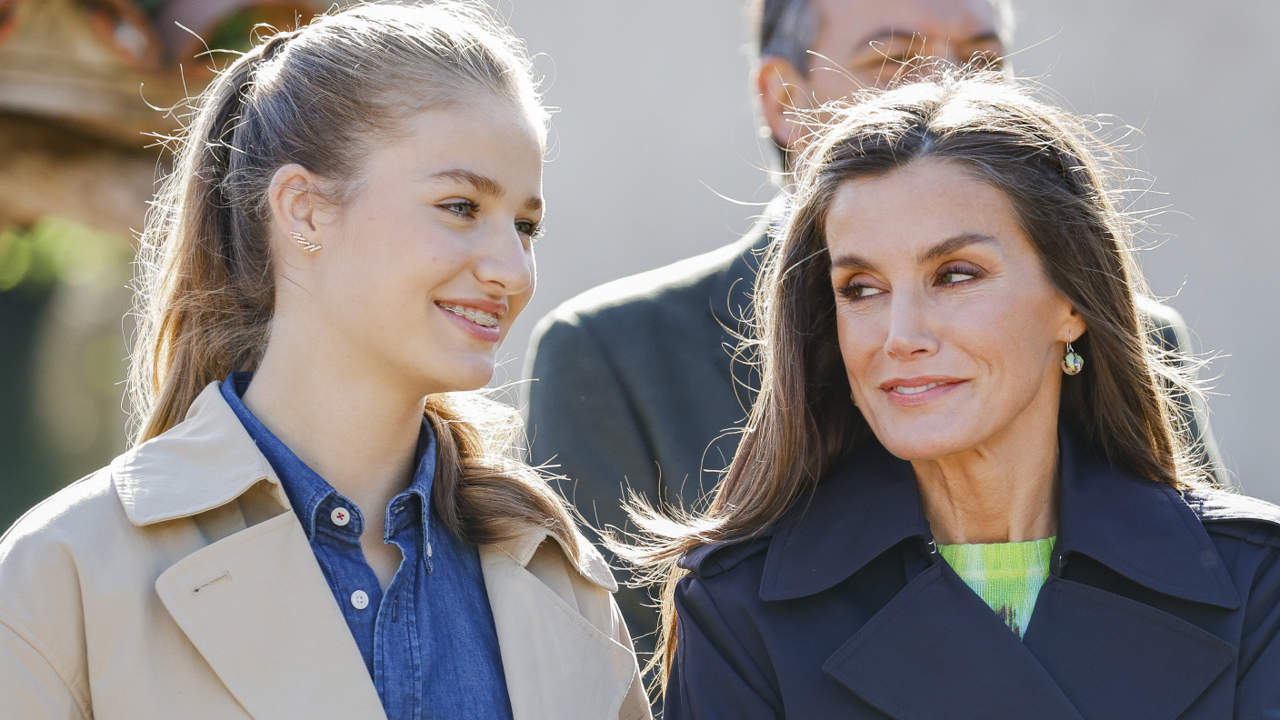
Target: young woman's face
[951, 333]
[431, 259]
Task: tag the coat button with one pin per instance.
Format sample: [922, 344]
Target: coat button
[359, 599]
[340, 516]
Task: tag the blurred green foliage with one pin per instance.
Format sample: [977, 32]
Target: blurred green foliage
[55, 251]
[61, 356]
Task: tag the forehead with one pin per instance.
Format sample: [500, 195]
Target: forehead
[491, 137]
[848, 21]
[916, 206]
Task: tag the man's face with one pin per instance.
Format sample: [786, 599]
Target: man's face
[865, 43]
[871, 43]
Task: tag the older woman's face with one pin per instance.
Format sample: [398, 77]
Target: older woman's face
[951, 333]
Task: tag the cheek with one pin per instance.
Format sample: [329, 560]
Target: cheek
[856, 335]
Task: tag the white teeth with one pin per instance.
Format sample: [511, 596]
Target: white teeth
[915, 390]
[479, 317]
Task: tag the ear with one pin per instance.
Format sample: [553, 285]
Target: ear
[1073, 327]
[783, 91]
[294, 196]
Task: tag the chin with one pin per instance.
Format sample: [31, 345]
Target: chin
[923, 444]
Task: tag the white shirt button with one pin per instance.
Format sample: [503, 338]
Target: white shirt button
[340, 516]
[359, 599]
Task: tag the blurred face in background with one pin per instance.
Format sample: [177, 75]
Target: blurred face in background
[869, 44]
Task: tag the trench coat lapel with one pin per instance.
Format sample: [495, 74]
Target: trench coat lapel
[936, 648]
[257, 607]
[1088, 651]
[253, 601]
[557, 664]
[1081, 635]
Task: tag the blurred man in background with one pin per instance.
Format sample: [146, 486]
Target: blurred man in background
[635, 383]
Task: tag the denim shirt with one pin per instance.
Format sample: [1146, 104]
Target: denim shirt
[428, 641]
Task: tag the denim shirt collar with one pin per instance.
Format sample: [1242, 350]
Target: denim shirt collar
[311, 496]
[1141, 529]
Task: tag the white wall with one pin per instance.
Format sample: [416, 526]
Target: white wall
[656, 131]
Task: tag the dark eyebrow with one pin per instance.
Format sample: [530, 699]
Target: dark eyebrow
[483, 184]
[952, 244]
[886, 34]
[946, 247]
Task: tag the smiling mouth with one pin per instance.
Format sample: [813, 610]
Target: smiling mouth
[479, 317]
[916, 389]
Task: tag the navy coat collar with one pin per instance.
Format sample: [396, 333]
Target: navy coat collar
[870, 503]
[1089, 651]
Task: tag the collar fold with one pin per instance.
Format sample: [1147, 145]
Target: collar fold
[209, 460]
[202, 463]
[870, 503]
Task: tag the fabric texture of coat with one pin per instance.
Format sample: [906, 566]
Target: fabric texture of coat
[1159, 604]
[177, 582]
[634, 385]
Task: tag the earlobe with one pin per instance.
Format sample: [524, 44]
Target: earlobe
[782, 93]
[293, 200]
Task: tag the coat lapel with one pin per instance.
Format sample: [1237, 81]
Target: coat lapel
[936, 645]
[1082, 634]
[256, 606]
[557, 664]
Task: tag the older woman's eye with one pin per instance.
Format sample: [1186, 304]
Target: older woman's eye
[461, 208]
[957, 274]
[859, 292]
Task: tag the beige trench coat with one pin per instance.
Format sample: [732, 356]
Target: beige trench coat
[177, 583]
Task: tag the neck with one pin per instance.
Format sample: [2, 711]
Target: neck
[1005, 491]
[358, 431]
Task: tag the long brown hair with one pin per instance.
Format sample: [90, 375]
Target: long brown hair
[1051, 168]
[318, 96]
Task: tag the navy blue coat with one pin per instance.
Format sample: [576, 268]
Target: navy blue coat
[1159, 604]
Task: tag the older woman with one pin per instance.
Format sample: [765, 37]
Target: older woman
[963, 492]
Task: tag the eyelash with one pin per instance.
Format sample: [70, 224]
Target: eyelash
[528, 228]
[850, 292]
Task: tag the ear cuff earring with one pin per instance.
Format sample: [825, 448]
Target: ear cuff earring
[304, 242]
[1072, 362]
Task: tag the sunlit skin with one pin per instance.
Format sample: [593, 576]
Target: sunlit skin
[443, 214]
[865, 44]
[953, 292]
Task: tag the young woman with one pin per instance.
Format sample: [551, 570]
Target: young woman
[963, 491]
[313, 523]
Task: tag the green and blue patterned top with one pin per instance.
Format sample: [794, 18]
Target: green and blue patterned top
[1007, 576]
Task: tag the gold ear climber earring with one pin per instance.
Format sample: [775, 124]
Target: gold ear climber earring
[1072, 362]
[304, 242]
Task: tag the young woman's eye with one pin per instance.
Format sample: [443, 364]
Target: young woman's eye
[529, 229]
[461, 208]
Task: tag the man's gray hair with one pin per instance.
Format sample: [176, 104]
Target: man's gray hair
[788, 28]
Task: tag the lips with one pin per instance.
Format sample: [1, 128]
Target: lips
[475, 315]
[479, 319]
[911, 392]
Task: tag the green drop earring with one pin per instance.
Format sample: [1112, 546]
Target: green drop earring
[1072, 362]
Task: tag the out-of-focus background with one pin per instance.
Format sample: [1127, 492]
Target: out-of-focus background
[655, 156]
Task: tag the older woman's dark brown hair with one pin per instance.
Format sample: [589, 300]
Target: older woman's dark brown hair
[963, 490]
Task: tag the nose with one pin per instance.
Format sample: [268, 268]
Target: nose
[910, 336]
[505, 263]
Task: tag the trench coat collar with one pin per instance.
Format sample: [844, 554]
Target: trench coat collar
[1141, 529]
[206, 461]
[209, 460]
[257, 607]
